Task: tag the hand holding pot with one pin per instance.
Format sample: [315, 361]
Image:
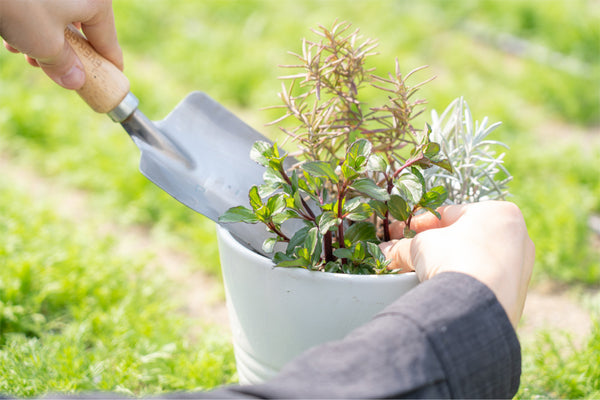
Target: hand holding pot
[36, 29]
[487, 240]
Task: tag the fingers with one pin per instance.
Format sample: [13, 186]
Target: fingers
[103, 37]
[487, 240]
[65, 68]
[428, 220]
[96, 20]
[32, 61]
[399, 251]
[36, 28]
[57, 60]
[9, 47]
[399, 254]
[419, 223]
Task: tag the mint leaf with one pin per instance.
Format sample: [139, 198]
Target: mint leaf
[376, 252]
[410, 188]
[398, 208]
[370, 188]
[281, 217]
[360, 231]
[360, 148]
[434, 198]
[361, 213]
[321, 169]
[377, 163]
[349, 173]
[238, 214]
[358, 154]
[327, 221]
[431, 150]
[269, 245]
[379, 207]
[254, 197]
[313, 245]
[276, 203]
[297, 240]
[258, 152]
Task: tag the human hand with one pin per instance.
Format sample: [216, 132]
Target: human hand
[486, 240]
[36, 29]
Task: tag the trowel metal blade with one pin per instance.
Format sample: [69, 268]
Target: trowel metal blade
[220, 172]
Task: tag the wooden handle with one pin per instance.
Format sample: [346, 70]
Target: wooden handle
[105, 85]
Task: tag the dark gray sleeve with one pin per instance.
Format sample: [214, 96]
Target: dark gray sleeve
[447, 338]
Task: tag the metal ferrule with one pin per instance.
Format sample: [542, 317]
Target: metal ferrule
[127, 106]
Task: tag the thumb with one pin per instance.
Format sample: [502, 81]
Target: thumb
[65, 68]
[399, 253]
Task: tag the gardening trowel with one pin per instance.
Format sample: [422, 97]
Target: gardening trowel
[199, 153]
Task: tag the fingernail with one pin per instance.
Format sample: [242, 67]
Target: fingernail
[74, 79]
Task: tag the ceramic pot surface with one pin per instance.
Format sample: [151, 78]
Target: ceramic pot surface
[278, 313]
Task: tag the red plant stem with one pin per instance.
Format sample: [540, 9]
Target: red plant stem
[278, 232]
[408, 164]
[386, 228]
[386, 221]
[308, 210]
[328, 247]
[412, 213]
[311, 216]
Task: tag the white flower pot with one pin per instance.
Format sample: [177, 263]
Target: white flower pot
[277, 313]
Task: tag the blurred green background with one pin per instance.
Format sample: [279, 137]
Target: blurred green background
[70, 309]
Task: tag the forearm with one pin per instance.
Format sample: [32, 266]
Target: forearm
[449, 337]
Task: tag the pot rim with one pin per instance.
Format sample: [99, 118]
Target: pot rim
[225, 234]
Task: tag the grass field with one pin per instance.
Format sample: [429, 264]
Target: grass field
[75, 317]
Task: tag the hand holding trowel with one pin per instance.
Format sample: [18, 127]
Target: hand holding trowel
[199, 153]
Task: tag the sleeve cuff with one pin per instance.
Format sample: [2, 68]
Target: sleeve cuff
[469, 332]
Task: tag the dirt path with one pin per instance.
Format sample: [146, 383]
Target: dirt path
[548, 307]
[554, 308]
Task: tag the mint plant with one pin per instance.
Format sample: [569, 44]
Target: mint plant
[355, 169]
[358, 167]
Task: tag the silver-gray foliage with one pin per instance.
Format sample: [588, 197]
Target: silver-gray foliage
[479, 173]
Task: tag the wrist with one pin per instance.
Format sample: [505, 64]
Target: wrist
[502, 287]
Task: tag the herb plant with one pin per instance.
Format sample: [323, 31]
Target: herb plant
[477, 172]
[357, 167]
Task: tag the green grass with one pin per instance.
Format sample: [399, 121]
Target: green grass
[557, 189]
[70, 310]
[75, 318]
[557, 369]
